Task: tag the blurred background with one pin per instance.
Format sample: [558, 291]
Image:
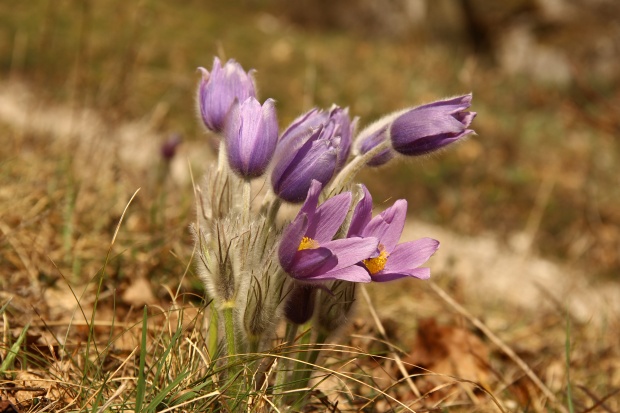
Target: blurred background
[541, 174]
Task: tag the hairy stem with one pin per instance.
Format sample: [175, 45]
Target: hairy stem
[345, 176]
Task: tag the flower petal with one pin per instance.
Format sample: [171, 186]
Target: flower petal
[388, 226]
[329, 217]
[410, 255]
[421, 273]
[361, 215]
[351, 250]
[308, 263]
[353, 273]
[291, 238]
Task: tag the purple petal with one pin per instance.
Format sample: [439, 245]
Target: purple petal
[291, 238]
[309, 262]
[329, 217]
[361, 215]
[373, 139]
[353, 273]
[422, 122]
[456, 104]
[421, 273]
[291, 177]
[388, 226]
[312, 200]
[350, 251]
[303, 125]
[410, 255]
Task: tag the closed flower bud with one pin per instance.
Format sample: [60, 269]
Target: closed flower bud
[425, 129]
[299, 306]
[251, 134]
[303, 127]
[370, 140]
[219, 89]
[299, 161]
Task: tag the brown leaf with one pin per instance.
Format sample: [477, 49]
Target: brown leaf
[139, 293]
[450, 350]
[7, 407]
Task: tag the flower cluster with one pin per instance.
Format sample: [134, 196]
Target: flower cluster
[256, 268]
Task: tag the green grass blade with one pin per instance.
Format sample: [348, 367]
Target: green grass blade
[569, 391]
[10, 357]
[4, 307]
[141, 385]
[152, 407]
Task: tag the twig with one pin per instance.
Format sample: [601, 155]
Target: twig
[499, 343]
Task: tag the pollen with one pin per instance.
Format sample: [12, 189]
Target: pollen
[307, 243]
[374, 265]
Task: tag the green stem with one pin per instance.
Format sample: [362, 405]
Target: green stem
[283, 369]
[229, 328]
[301, 365]
[273, 211]
[345, 176]
[213, 327]
[314, 354]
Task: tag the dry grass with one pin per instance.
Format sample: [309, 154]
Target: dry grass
[73, 333]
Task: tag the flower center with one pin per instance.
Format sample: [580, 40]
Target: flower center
[374, 265]
[307, 243]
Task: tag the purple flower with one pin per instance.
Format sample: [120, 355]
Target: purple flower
[373, 137]
[308, 253]
[251, 134]
[391, 260]
[169, 148]
[304, 126]
[299, 161]
[425, 129]
[220, 88]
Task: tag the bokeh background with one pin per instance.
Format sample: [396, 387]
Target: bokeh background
[528, 210]
[541, 173]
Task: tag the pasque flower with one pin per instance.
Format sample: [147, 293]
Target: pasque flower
[391, 260]
[299, 161]
[373, 136]
[419, 130]
[303, 127]
[251, 134]
[219, 89]
[427, 128]
[308, 253]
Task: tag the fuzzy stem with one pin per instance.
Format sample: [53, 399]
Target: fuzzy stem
[229, 327]
[283, 369]
[213, 327]
[247, 200]
[221, 157]
[303, 370]
[273, 211]
[303, 377]
[345, 176]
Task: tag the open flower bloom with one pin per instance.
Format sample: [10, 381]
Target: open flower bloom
[219, 89]
[308, 253]
[251, 134]
[299, 161]
[391, 260]
[426, 128]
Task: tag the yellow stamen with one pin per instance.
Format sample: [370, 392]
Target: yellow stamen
[307, 243]
[374, 265]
